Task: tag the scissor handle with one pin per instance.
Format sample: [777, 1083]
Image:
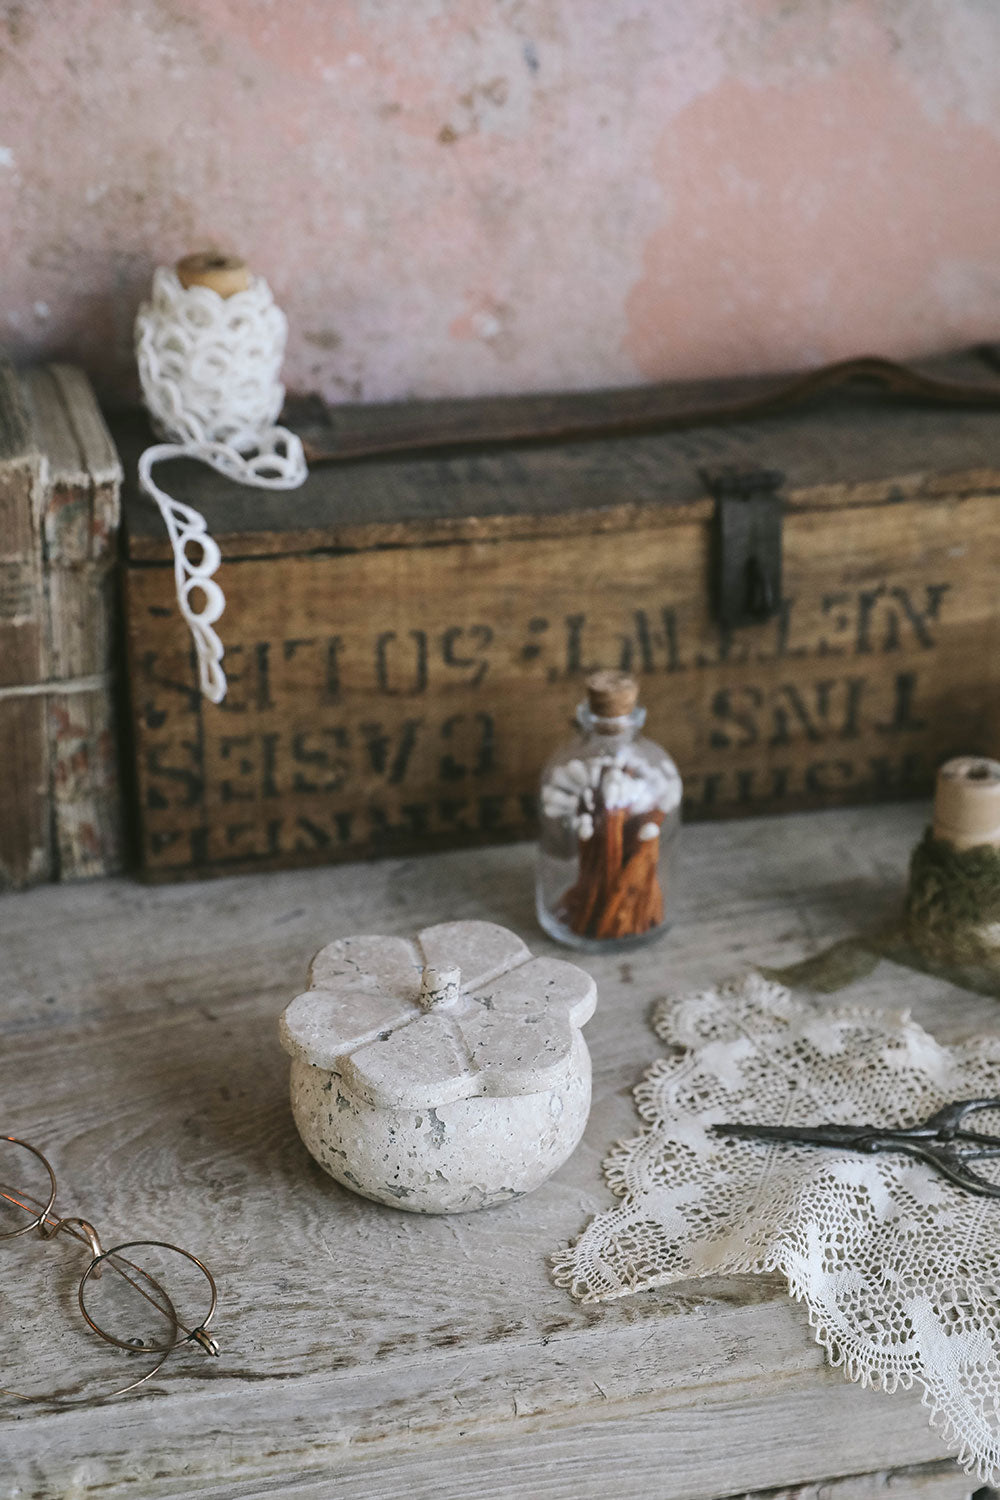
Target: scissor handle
[942, 1142]
[947, 1121]
[951, 1161]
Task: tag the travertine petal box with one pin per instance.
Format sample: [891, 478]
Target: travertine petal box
[443, 1073]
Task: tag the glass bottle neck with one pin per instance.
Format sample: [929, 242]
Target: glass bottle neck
[610, 731]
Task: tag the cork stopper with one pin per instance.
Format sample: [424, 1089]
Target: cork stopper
[611, 695]
[225, 274]
[967, 802]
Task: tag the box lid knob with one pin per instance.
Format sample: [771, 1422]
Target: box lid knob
[439, 987]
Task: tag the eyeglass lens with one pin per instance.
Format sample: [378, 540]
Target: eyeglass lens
[27, 1187]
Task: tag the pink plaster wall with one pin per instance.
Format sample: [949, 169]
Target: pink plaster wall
[486, 195]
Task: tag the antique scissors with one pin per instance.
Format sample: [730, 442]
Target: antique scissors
[940, 1141]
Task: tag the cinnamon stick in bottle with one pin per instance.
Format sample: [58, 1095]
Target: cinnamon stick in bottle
[611, 798]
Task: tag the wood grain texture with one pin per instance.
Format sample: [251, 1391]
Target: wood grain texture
[382, 699]
[366, 1351]
[25, 843]
[457, 1480]
[78, 531]
[930, 1482]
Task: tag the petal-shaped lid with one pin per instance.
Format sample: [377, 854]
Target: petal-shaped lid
[462, 1010]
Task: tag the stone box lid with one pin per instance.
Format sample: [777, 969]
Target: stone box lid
[460, 1011]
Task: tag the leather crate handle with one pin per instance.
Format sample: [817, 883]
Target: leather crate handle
[588, 416]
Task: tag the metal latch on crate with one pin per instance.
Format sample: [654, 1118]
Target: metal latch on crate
[747, 543]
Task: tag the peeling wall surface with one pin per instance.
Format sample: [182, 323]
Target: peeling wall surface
[463, 196]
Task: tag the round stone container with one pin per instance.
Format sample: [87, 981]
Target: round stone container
[444, 1073]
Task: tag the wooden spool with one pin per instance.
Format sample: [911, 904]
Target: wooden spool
[225, 274]
[967, 802]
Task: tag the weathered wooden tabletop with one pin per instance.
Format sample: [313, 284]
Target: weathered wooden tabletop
[371, 1353]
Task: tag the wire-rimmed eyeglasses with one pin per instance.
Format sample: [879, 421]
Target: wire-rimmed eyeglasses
[48, 1224]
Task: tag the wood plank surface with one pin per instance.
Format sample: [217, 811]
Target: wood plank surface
[367, 1352]
[929, 1482]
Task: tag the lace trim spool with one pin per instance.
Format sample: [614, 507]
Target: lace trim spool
[209, 345]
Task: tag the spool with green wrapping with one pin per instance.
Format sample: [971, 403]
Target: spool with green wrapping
[952, 911]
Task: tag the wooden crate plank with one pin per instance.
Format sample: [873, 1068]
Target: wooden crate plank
[407, 634]
[78, 524]
[25, 836]
[849, 456]
[382, 699]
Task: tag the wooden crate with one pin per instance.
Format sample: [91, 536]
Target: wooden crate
[406, 636]
[60, 800]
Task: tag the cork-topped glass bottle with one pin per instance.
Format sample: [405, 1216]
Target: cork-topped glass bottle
[610, 812]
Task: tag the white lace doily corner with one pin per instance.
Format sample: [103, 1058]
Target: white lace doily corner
[898, 1269]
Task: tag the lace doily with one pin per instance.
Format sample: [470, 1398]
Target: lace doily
[209, 369]
[899, 1269]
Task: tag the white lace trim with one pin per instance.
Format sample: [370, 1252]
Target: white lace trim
[209, 368]
[899, 1270]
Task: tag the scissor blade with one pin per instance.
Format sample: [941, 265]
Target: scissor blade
[847, 1137]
